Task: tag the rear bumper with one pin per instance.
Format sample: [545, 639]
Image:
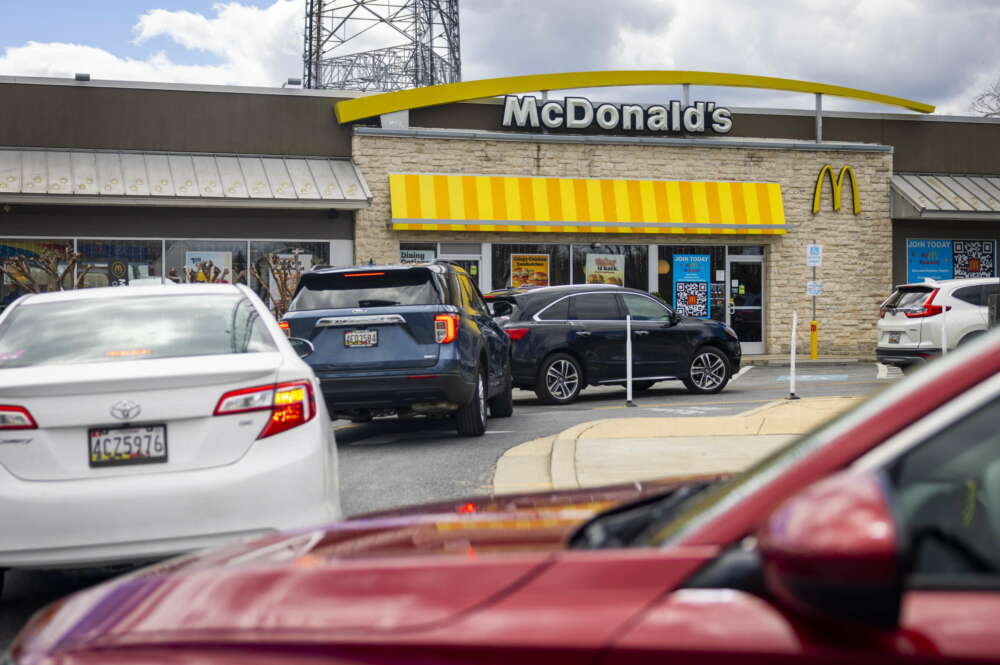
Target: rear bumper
[904, 357]
[285, 481]
[395, 392]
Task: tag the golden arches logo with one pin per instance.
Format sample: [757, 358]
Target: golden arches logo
[836, 186]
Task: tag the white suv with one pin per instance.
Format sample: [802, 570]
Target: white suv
[917, 318]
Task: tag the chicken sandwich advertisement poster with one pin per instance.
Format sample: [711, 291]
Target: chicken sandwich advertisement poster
[529, 270]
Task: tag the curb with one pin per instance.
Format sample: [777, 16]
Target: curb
[805, 362]
[562, 462]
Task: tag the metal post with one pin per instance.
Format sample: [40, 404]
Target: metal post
[819, 118]
[628, 361]
[791, 376]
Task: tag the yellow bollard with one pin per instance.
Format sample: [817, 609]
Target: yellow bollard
[813, 339]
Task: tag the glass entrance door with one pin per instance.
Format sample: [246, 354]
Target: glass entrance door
[745, 298]
[471, 264]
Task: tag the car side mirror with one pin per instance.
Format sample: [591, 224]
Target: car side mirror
[831, 552]
[501, 308]
[303, 347]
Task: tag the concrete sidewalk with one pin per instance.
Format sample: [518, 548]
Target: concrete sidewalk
[616, 450]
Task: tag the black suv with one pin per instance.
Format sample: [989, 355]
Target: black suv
[568, 337]
[406, 340]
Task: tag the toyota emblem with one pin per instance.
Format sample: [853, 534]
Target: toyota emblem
[126, 410]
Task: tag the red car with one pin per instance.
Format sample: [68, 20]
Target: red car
[873, 539]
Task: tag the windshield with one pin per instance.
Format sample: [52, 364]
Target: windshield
[375, 288]
[97, 330]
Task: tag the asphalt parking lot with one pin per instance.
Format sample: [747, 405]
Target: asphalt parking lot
[390, 462]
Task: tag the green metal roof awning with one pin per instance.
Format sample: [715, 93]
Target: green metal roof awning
[81, 177]
[945, 196]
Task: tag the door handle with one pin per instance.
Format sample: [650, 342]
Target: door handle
[583, 333]
[641, 332]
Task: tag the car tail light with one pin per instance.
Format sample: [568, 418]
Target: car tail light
[16, 417]
[445, 328]
[291, 404]
[517, 333]
[927, 309]
[881, 312]
[286, 328]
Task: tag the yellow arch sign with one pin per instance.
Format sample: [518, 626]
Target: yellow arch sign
[389, 102]
[835, 186]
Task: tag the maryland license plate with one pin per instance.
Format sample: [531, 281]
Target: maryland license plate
[121, 446]
[361, 338]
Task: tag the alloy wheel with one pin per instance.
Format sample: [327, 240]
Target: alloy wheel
[708, 370]
[562, 379]
[481, 396]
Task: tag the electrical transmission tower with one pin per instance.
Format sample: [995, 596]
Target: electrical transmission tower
[428, 55]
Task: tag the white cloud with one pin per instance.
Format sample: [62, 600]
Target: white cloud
[941, 53]
[253, 46]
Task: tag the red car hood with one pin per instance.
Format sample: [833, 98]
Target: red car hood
[376, 575]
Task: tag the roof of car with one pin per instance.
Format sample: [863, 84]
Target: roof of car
[558, 290]
[438, 267]
[128, 292]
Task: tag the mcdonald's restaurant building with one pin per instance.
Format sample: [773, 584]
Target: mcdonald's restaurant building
[712, 208]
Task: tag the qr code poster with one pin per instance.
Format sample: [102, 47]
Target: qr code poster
[974, 258]
[691, 299]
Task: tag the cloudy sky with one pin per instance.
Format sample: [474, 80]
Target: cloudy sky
[941, 53]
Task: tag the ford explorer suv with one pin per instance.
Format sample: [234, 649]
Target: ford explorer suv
[405, 340]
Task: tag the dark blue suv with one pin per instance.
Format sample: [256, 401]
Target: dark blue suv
[405, 340]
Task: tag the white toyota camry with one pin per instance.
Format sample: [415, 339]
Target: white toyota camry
[144, 422]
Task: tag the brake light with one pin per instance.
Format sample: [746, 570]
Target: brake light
[364, 274]
[286, 328]
[517, 333]
[16, 417]
[291, 404]
[445, 328]
[881, 312]
[927, 309]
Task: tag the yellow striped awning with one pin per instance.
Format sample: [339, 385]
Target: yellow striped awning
[423, 202]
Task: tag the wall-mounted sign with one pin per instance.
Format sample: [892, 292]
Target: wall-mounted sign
[605, 269]
[949, 259]
[836, 185]
[530, 112]
[691, 280]
[529, 270]
[814, 288]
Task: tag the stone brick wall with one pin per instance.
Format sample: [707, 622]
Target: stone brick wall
[856, 272]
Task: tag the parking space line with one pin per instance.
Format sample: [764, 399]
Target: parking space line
[740, 373]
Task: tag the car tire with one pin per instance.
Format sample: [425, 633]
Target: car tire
[470, 420]
[559, 379]
[502, 406]
[708, 371]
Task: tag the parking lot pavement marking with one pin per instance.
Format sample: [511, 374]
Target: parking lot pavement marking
[740, 373]
[686, 411]
[499, 431]
[814, 377]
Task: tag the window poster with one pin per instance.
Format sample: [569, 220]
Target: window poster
[196, 262]
[974, 258]
[692, 275]
[947, 259]
[605, 269]
[408, 256]
[529, 270]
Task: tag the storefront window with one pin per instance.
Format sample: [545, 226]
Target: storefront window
[530, 265]
[683, 271]
[33, 266]
[417, 252]
[276, 266]
[120, 262]
[207, 261]
[752, 250]
[622, 265]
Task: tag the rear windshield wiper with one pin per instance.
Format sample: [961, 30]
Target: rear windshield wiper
[376, 303]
